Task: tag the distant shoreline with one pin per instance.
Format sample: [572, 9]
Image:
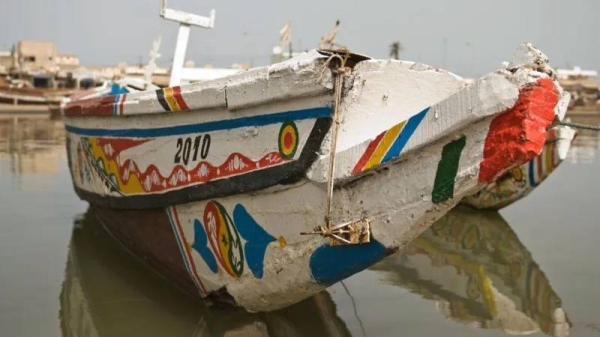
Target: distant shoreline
[35, 108]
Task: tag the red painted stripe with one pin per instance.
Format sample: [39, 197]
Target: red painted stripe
[121, 104]
[177, 95]
[99, 106]
[202, 173]
[118, 145]
[187, 249]
[519, 134]
[540, 169]
[368, 152]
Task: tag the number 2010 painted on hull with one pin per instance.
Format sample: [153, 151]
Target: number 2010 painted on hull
[184, 148]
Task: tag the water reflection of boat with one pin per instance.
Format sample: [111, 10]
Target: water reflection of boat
[106, 293]
[32, 143]
[476, 269]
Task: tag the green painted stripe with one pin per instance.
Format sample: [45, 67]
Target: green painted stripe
[443, 187]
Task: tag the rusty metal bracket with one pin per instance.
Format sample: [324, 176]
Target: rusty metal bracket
[348, 233]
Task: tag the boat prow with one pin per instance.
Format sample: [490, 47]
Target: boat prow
[522, 180]
[264, 187]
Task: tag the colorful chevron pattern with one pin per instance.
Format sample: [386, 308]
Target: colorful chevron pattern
[171, 100]
[389, 144]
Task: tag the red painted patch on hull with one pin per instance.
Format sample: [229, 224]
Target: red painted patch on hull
[99, 106]
[118, 145]
[519, 134]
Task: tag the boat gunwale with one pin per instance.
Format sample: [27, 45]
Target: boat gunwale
[112, 105]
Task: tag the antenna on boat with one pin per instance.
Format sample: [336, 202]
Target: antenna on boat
[186, 20]
[151, 67]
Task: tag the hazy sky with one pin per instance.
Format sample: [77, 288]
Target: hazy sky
[469, 37]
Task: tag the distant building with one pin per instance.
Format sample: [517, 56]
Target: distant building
[583, 85]
[32, 56]
[66, 61]
[5, 62]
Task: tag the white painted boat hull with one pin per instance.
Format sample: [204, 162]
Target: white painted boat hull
[217, 196]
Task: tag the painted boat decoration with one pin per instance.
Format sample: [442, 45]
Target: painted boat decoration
[218, 185]
[477, 271]
[33, 96]
[106, 293]
[522, 180]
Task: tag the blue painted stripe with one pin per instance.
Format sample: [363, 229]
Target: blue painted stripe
[116, 105]
[330, 264]
[205, 127]
[404, 136]
[532, 173]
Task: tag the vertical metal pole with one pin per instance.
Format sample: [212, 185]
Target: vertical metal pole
[178, 59]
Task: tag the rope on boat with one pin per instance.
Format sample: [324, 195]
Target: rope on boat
[339, 74]
[352, 232]
[580, 126]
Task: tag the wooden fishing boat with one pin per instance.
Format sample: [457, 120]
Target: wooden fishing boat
[32, 96]
[522, 180]
[477, 271]
[262, 188]
[106, 293]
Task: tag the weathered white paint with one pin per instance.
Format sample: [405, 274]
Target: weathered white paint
[303, 76]
[388, 92]
[259, 92]
[485, 97]
[396, 196]
[397, 201]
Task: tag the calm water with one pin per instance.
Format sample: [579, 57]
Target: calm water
[532, 268]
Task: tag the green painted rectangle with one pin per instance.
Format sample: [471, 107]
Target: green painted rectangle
[443, 186]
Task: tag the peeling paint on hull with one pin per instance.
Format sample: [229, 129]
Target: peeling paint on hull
[522, 180]
[241, 242]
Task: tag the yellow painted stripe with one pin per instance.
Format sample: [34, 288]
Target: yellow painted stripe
[549, 163]
[171, 100]
[485, 285]
[387, 141]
